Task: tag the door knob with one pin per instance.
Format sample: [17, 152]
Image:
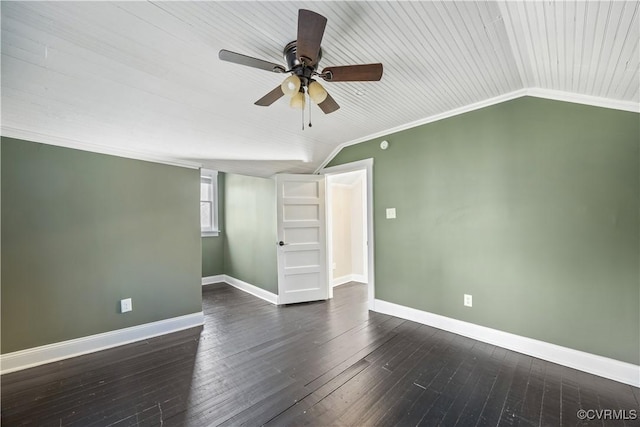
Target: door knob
[281, 243]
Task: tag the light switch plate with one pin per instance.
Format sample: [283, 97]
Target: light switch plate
[391, 213]
[468, 300]
[126, 305]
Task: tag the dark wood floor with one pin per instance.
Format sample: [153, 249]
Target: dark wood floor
[326, 363]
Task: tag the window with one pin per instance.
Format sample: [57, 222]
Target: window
[209, 202]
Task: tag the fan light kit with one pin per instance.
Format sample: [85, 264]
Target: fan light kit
[302, 57]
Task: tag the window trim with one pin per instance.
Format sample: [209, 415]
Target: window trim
[213, 194]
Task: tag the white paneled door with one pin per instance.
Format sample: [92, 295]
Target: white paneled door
[302, 268]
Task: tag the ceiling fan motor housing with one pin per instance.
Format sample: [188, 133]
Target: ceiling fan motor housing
[300, 68]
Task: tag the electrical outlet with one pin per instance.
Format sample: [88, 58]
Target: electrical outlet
[468, 300]
[126, 305]
[391, 213]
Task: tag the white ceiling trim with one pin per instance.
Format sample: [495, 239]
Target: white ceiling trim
[575, 98]
[555, 95]
[456, 111]
[578, 98]
[28, 135]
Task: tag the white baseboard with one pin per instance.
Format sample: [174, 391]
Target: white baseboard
[243, 286]
[348, 278]
[251, 289]
[209, 280]
[598, 365]
[31, 357]
[340, 280]
[358, 278]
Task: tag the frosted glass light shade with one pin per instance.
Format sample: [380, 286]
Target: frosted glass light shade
[297, 101]
[291, 85]
[317, 92]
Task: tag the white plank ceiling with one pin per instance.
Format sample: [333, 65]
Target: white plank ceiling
[144, 77]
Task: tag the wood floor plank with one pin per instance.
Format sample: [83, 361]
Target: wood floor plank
[449, 389]
[552, 396]
[636, 395]
[490, 415]
[367, 410]
[512, 408]
[400, 398]
[570, 402]
[470, 414]
[443, 362]
[356, 393]
[532, 403]
[481, 356]
[324, 363]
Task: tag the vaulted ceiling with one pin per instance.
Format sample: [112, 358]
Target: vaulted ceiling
[143, 79]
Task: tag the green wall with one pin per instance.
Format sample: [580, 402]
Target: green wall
[213, 246]
[532, 206]
[212, 255]
[250, 231]
[80, 231]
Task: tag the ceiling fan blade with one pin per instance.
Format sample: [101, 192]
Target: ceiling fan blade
[329, 105]
[310, 31]
[353, 73]
[238, 58]
[271, 97]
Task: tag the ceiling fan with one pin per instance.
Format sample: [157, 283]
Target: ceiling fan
[302, 57]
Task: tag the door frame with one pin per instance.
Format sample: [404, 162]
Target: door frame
[361, 222]
[367, 166]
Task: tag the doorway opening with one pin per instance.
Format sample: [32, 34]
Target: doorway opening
[350, 225]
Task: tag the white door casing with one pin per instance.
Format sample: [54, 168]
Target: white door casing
[302, 268]
[366, 165]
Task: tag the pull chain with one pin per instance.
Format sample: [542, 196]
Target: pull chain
[309, 111]
[302, 116]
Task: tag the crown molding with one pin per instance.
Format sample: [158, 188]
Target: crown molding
[554, 95]
[577, 98]
[455, 112]
[26, 135]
